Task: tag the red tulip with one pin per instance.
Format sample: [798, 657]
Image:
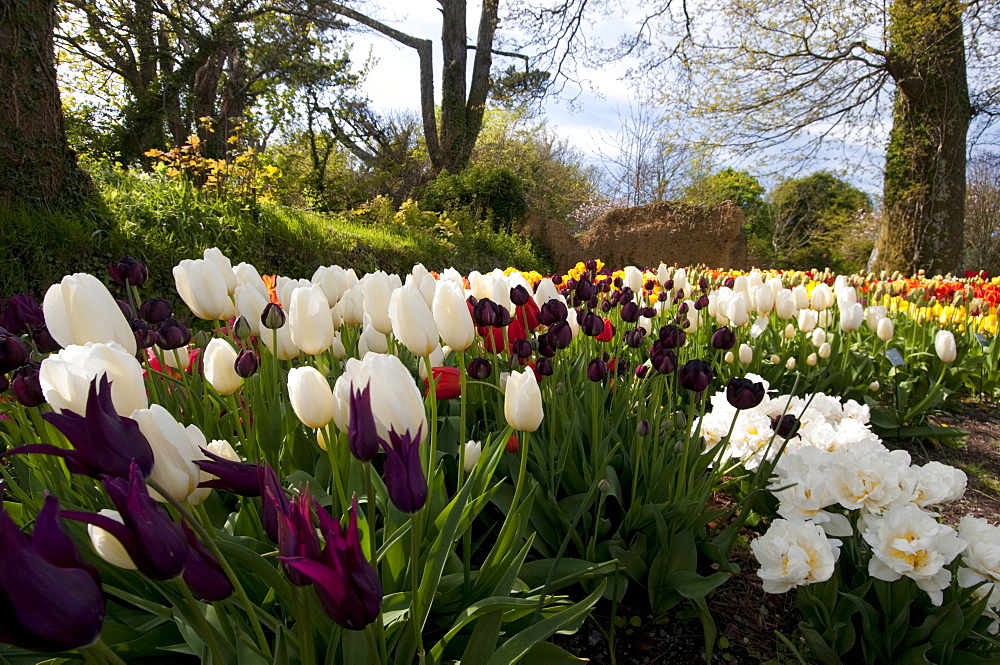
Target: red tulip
[447, 383]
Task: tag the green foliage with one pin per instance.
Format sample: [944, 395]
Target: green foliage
[744, 190]
[493, 193]
[162, 220]
[818, 221]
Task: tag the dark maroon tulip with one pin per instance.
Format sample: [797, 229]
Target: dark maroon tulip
[663, 297]
[785, 426]
[635, 338]
[585, 290]
[663, 360]
[560, 335]
[43, 339]
[723, 339]
[703, 284]
[743, 393]
[246, 363]
[155, 543]
[591, 265]
[155, 311]
[591, 324]
[648, 312]
[13, 352]
[172, 334]
[126, 308]
[404, 476]
[203, 574]
[552, 311]
[519, 295]
[641, 371]
[345, 582]
[128, 271]
[4, 383]
[668, 285]
[20, 314]
[236, 477]
[626, 295]
[642, 429]
[701, 303]
[649, 284]
[273, 317]
[26, 386]
[502, 317]
[544, 367]
[484, 314]
[545, 348]
[557, 280]
[618, 282]
[597, 370]
[630, 312]
[49, 599]
[104, 443]
[362, 435]
[606, 306]
[480, 368]
[672, 337]
[145, 336]
[274, 501]
[730, 282]
[695, 375]
[522, 348]
[683, 308]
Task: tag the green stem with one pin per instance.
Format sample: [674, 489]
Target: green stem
[102, 653]
[370, 511]
[337, 485]
[209, 542]
[415, 584]
[432, 395]
[205, 630]
[307, 650]
[373, 652]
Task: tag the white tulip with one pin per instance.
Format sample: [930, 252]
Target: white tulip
[220, 367]
[80, 309]
[451, 313]
[633, 279]
[818, 337]
[309, 320]
[203, 288]
[107, 546]
[286, 349]
[885, 329]
[746, 354]
[334, 282]
[412, 321]
[424, 281]
[944, 345]
[473, 451]
[65, 377]
[377, 288]
[215, 256]
[808, 318]
[386, 375]
[311, 396]
[522, 406]
[852, 317]
[175, 448]
[784, 305]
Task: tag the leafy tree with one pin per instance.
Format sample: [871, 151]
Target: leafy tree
[982, 214]
[763, 72]
[181, 66]
[816, 221]
[37, 168]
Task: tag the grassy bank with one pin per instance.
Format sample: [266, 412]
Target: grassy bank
[161, 221]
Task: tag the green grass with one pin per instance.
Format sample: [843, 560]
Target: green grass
[161, 221]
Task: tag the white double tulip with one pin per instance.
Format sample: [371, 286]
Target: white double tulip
[80, 309]
[65, 377]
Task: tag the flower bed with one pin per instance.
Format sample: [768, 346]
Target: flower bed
[445, 467]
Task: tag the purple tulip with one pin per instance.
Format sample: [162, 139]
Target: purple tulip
[560, 335]
[13, 352]
[785, 426]
[172, 334]
[273, 317]
[362, 435]
[203, 574]
[297, 537]
[635, 338]
[641, 371]
[743, 393]
[642, 429]
[701, 303]
[545, 348]
[663, 360]
[695, 375]
[145, 336]
[557, 280]
[43, 339]
[723, 339]
[552, 311]
[236, 477]
[155, 311]
[522, 348]
[345, 582]
[519, 295]
[404, 476]
[26, 386]
[597, 370]
[630, 312]
[104, 443]
[274, 502]
[483, 313]
[4, 383]
[49, 599]
[591, 324]
[585, 290]
[480, 368]
[672, 337]
[247, 363]
[501, 316]
[544, 367]
[21, 314]
[128, 271]
[155, 543]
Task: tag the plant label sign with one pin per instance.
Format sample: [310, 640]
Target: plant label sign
[983, 340]
[895, 357]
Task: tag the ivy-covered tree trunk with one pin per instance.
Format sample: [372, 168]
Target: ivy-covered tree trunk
[924, 188]
[37, 168]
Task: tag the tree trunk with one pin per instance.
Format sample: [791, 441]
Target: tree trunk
[924, 187]
[37, 168]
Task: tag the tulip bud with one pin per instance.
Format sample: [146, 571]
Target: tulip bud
[642, 429]
[221, 367]
[273, 317]
[128, 271]
[874, 386]
[597, 370]
[13, 352]
[311, 396]
[885, 329]
[172, 334]
[473, 451]
[241, 328]
[811, 360]
[818, 337]
[246, 363]
[789, 332]
[26, 386]
[824, 350]
[523, 401]
[746, 354]
[944, 345]
[790, 364]
[775, 359]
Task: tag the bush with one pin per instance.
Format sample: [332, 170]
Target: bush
[495, 194]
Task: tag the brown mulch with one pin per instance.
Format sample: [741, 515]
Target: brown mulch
[745, 616]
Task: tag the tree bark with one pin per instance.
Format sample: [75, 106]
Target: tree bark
[37, 167]
[924, 187]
